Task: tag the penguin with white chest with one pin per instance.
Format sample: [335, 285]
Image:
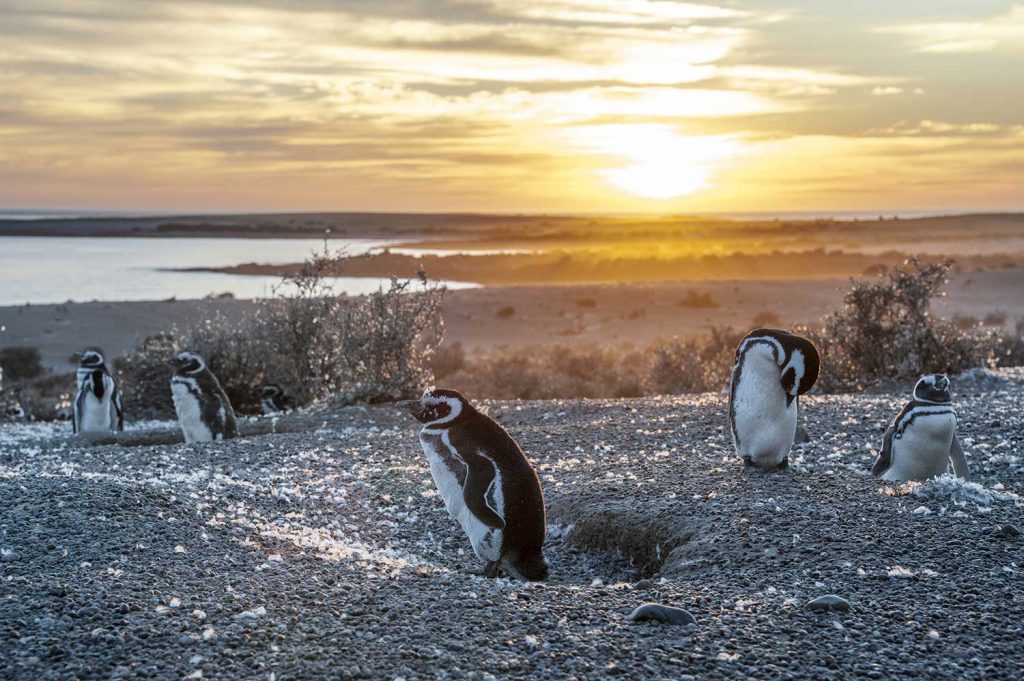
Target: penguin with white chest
[204, 410]
[272, 399]
[486, 482]
[921, 441]
[97, 406]
[773, 368]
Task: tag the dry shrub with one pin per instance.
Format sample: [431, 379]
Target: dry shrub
[766, 319]
[996, 318]
[697, 300]
[312, 341]
[21, 362]
[507, 312]
[885, 332]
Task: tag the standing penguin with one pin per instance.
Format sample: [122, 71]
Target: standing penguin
[204, 411]
[272, 399]
[97, 405]
[773, 368]
[921, 441]
[486, 482]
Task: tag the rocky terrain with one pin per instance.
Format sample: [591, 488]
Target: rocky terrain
[325, 551]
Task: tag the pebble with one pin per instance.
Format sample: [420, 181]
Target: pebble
[643, 585]
[828, 603]
[661, 613]
[1009, 530]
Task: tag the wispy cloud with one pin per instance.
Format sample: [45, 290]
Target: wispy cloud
[1003, 32]
[449, 104]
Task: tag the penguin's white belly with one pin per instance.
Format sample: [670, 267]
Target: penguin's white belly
[189, 415]
[95, 414]
[765, 426]
[486, 541]
[922, 452]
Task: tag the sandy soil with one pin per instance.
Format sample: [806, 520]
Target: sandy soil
[327, 553]
[637, 312]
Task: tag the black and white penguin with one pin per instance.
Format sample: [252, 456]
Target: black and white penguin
[272, 399]
[921, 441]
[204, 410]
[97, 406]
[773, 368]
[486, 482]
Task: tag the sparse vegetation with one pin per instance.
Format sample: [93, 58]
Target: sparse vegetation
[996, 318]
[697, 300]
[766, 319]
[308, 339]
[507, 312]
[587, 303]
[21, 363]
[885, 332]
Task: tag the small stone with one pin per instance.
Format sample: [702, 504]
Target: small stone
[828, 603]
[661, 613]
[643, 585]
[1008, 530]
[801, 436]
[996, 424]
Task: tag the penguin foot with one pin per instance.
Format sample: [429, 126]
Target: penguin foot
[784, 464]
[490, 570]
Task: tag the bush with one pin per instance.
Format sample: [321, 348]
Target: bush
[587, 303]
[997, 318]
[885, 332]
[766, 319]
[697, 300]
[309, 340]
[21, 363]
[507, 312]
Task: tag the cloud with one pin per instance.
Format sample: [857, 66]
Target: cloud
[1003, 33]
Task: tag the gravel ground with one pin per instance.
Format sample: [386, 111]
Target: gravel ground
[327, 553]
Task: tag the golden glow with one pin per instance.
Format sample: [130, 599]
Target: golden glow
[662, 164]
[494, 105]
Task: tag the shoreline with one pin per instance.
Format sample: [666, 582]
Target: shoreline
[520, 316]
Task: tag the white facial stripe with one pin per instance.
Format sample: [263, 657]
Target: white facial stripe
[779, 351]
[796, 362]
[454, 405]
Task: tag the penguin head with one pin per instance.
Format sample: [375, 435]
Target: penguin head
[270, 390]
[187, 363]
[437, 406]
[90, 359]
[933, 388]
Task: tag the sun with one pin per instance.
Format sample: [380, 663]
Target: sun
[659, 163]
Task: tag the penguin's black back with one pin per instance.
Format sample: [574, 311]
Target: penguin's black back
[211, 399]
[525, 519]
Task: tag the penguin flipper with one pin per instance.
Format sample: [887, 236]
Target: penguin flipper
[885, 455]
[479, 477]
[118, 406]
[79, 406]
[959, 460]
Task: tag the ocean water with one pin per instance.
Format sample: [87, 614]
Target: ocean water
[42, 270]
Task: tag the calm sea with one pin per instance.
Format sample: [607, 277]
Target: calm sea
[55, 270]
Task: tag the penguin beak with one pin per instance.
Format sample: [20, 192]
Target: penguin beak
[414, 407]
[176, 363]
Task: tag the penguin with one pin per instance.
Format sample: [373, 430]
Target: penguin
[97, 406]
[486, 482]
[921, 442]
[272, 399]
[204, 411]
[772, 369]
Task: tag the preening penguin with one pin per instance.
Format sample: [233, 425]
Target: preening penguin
[921, 441]
[204, 411]
[486, 482]
[773, 368]
[272, 399]
[97, 405]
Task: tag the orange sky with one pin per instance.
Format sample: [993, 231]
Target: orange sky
[524, 106]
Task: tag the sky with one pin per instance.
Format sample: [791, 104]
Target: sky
[512, 105]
